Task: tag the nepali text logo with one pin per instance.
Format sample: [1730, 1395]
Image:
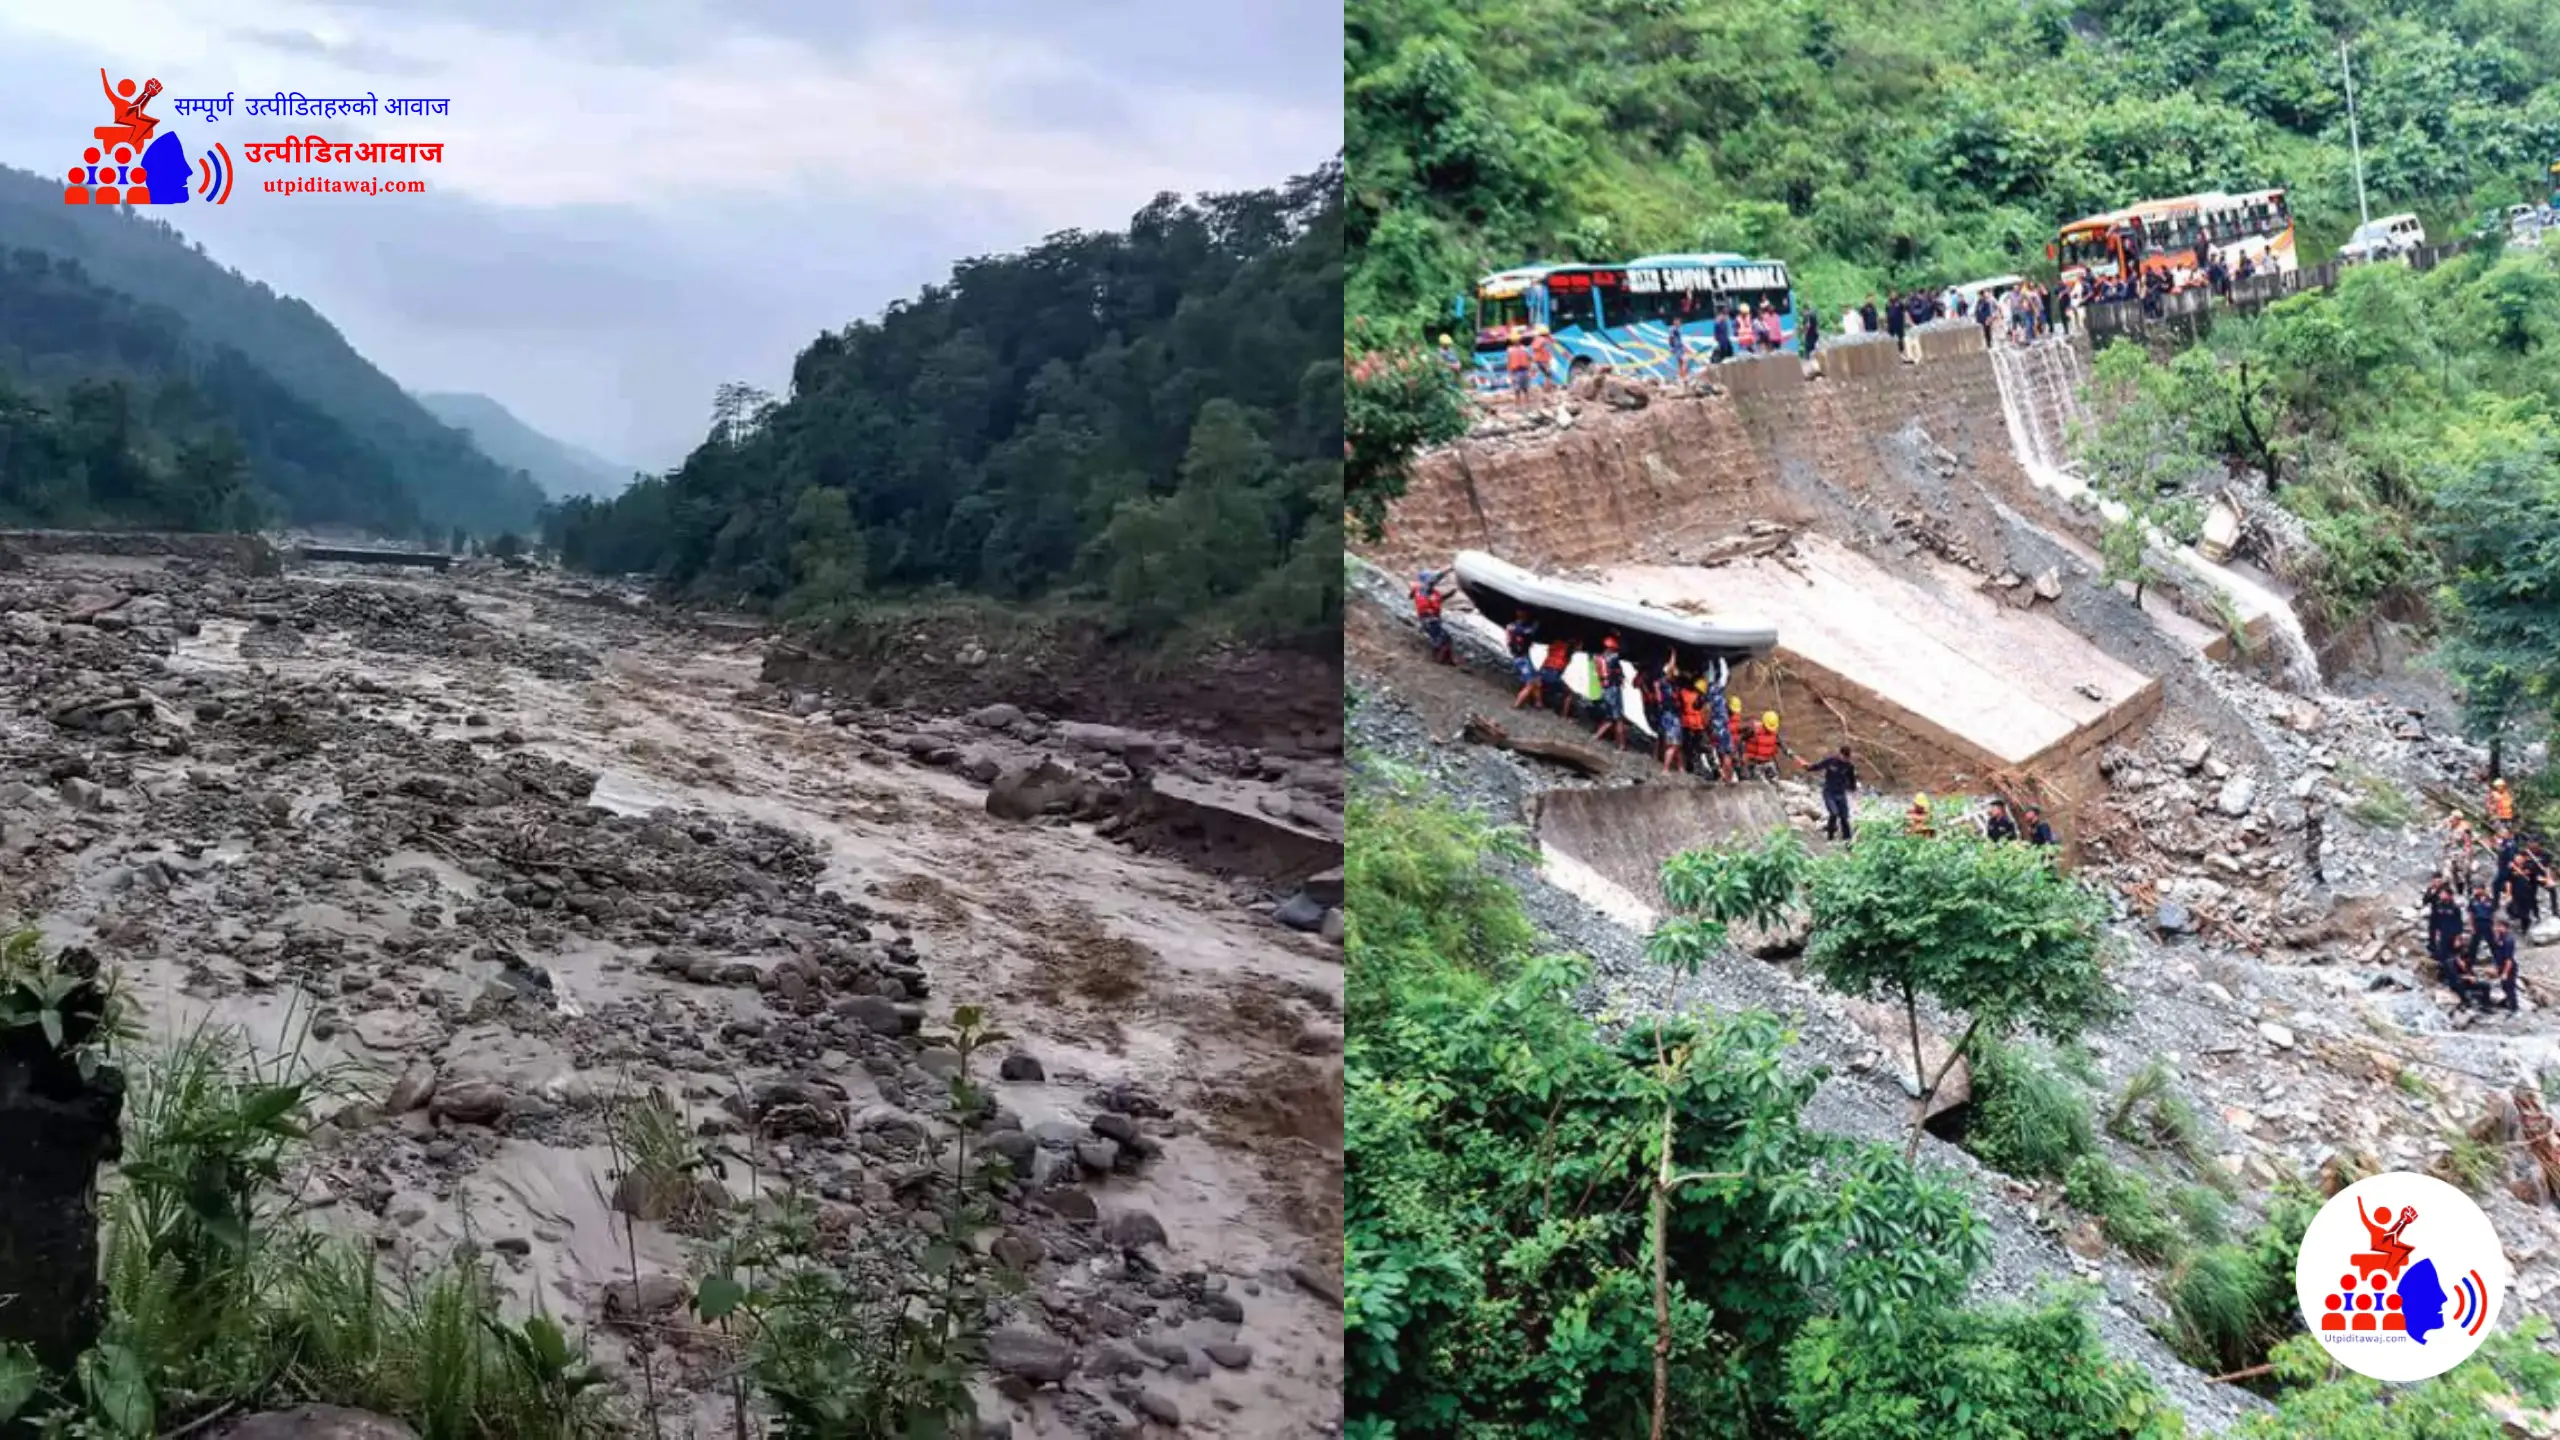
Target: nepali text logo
[129, 166]
[2399, 1276]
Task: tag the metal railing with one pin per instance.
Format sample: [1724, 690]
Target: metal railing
[2187, 309]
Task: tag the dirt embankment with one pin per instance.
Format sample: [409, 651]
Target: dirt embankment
[533, 857]
[1285, 700]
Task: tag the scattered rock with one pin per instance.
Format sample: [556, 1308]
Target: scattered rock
[2277, 1035]
[1300, 912]
[2238, 794]
[1030, 1355]
[1020, 1066]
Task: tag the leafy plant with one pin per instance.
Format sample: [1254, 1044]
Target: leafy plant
[2125, 1207]
[2026, 1120]
[1999, 1371]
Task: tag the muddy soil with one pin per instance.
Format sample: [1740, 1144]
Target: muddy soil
[1285, 701]
[531, 855]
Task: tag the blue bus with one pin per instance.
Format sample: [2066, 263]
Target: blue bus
[1620, 315]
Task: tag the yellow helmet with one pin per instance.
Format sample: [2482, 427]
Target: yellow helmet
[2498, 784]
[1542, 329]
[1920, 802]
[1734, 705]
[1444, 340]
[1769, 720]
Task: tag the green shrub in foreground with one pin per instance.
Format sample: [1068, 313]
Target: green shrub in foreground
[1993, 1373]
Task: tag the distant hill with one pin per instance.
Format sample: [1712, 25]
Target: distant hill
[446, 480]
[563, 470]
[113, 413]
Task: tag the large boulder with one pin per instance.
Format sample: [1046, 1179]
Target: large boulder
[1031, 791]
[1891, 1030]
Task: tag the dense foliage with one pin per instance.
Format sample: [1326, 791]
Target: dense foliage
[325, 435]
[1152, 419]
[1398, 401]
[108, 415]
[1500, 1150]
[1879, 143]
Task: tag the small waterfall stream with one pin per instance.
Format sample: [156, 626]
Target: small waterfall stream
[2040, 399]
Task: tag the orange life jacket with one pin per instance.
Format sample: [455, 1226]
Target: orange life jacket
[1762, 747]
[1693, 712]
[2502, 805]
[1426, 603]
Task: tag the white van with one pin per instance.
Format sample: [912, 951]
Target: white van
[2392, 235]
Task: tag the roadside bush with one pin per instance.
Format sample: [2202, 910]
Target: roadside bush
[2000, 1371]
[2228, 1303]
[2124, 1205]
[2029, 1119]
[2514, 1367]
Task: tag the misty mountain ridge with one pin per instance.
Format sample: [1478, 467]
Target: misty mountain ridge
[563, 470]
[420, 465]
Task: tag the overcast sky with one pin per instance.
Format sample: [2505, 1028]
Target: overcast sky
[642, 198]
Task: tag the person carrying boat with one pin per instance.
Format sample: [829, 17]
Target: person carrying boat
[1760, 749]
[1551, 683]
[1428, 597]
[1520, 634]
[1612, 700]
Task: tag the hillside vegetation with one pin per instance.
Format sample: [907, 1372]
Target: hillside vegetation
[1149, 422]
[111, 415]
[1890, 142]
[407, 462]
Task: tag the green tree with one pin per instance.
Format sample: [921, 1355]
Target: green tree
[2498, 522]
[2144, 444]
[1995, 933]
[1395, 404]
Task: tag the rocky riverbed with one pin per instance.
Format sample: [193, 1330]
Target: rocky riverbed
[518, 858]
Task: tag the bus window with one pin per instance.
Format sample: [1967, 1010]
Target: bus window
[1569, 297]
[1495, 316]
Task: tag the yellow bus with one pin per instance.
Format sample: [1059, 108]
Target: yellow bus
[2178, 237]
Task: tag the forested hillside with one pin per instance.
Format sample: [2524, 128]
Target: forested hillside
[1151, 420]
[1877, 142]
[562, 470]
[110, 414]
[444, 480]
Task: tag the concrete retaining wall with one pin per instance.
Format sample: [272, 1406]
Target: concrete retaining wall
[1662, 482]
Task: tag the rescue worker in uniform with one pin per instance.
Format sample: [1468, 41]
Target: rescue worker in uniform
[1612, 702]
[1839, 781]
[2444, 928]
[1999, 826]
[1728, 723]
[2502, 966]
[1428, 597]
[1916, 820]
[1693, 722]
[1760, 749]
[1552, 688]
[1520, 634]
[2039, 833]
[2483, 911]
[2502, 803]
